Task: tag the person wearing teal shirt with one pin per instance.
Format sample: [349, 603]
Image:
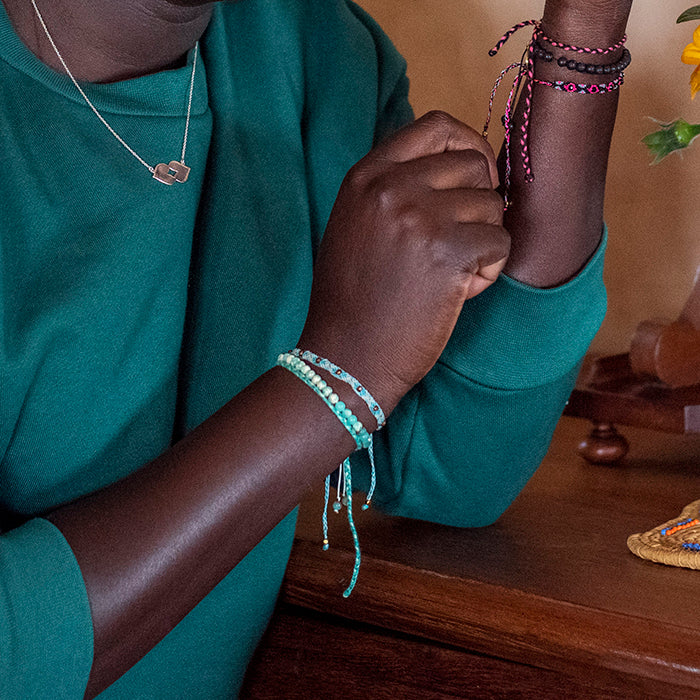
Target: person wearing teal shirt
[151, 454]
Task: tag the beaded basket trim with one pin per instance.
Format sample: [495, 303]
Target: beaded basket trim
[676, 543]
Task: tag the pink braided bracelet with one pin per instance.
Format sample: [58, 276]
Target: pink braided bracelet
[527, 69]
[577, 49]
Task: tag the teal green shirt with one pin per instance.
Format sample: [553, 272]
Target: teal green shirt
[130, 311]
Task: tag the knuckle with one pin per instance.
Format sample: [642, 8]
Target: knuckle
[502, 241]
[439, 117]
[494, 198]
[488, 245]
[385, 193]
[357, 176]
[443, 252]
[411, 218]
[479, 166]
[469, 267]
[494, 207]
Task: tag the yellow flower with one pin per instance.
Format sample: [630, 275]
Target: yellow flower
[691, 55]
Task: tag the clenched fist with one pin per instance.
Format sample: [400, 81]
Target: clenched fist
[415, 231]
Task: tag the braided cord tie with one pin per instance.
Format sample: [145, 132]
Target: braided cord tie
[344, 498]
[373, 476]
[509, 34]
[492, 98]
[324, 517]
[525, 127]
[353, 530]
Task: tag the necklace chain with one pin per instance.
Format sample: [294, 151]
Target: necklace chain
[162, 171]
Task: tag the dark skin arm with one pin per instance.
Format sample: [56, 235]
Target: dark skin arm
[420, 207]
[556, 221]
[153, 545]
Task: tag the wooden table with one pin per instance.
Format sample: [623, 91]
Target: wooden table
[546, 603]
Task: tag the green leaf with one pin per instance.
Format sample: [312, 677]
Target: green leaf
[690, 15]
[673, 136]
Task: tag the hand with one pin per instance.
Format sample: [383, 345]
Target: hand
[415, 231]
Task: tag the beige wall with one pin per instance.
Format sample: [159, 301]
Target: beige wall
[652, 211]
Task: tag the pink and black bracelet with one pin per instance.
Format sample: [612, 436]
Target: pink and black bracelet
[526, 72]
[539, 35]
[583, 88]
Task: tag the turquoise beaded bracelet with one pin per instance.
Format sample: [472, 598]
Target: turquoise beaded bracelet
[359, 433]
[300, 369]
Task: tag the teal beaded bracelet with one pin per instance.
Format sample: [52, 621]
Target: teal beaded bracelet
[362, 439]
[303, 371]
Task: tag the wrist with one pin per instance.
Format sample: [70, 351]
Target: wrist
[366, 368]
[594, 23]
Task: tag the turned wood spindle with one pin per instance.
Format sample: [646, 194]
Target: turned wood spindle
[604, 445]
[670, 352]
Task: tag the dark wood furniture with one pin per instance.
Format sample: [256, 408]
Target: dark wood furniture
[546, 603]
[608, 392]
[656, 385]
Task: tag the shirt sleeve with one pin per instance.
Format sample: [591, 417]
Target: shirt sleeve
[462, 444]
[46, 639]
[393, 108]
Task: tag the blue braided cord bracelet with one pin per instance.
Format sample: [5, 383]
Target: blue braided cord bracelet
[344, 376]
[300, 369]
[361, 391]
[359, 433]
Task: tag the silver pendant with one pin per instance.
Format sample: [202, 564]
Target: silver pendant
[162, 172]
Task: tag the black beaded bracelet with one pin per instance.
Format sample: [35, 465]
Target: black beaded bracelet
[580, 67]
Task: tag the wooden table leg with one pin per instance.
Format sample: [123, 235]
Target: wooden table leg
[604, 445]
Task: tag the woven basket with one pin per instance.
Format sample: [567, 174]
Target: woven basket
[676, 543]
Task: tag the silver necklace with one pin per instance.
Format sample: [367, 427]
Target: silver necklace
[167, 173]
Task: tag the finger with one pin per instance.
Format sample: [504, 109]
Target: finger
[477, 247]
[449, 170]
[434, 133]
[485, 277]
[469, 206]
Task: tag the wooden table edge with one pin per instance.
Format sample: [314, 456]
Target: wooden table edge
[485, 618]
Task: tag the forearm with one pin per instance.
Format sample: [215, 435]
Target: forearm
[153, 545]
[556, 221]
